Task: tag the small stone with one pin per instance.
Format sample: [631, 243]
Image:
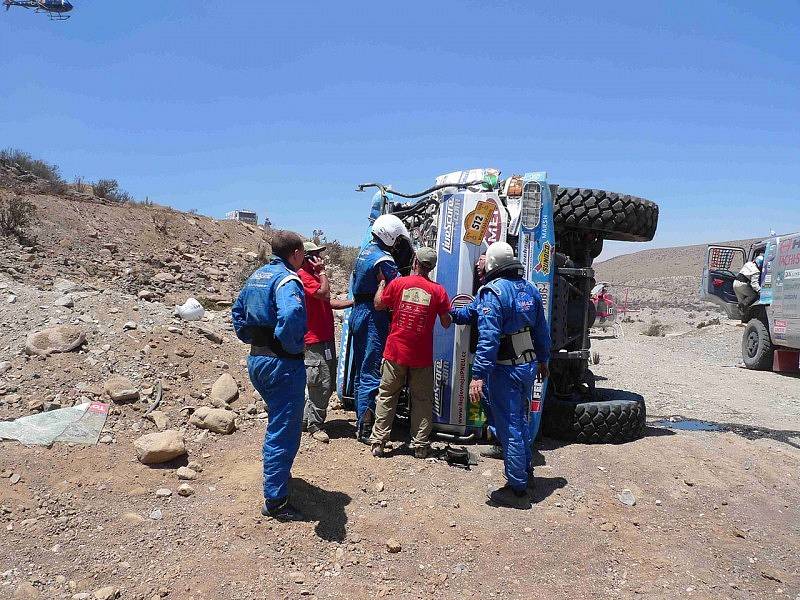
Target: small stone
[160, 419]
[195, 466]
[297, 577]
[106, 593]
[106, 439]
[65, 301]
[658, 503]
[627, 498]
[159, 447]
[121, 389]
[379, 486]
[15, 478]
[212, 336]
[5, 366]
[61, 338]
[217, 420]
[186, 474]
[225, 388]
[81, 596]
[528, 530]
[184, 352]
[129, 326]
[738, 533]
[163, 492]
[689, 482]
[156, 514]
[393, 546]
[606, 526]
[185, 490]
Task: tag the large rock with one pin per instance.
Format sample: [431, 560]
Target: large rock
[164, 446]
[121, 389]
[217, 420]
[61, 338]
[225, 389]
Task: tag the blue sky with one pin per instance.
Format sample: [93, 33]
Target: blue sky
[285, 107]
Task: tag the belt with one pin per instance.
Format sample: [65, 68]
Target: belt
[267, 344]
[742, 278]
[267, 351]
[528, 356]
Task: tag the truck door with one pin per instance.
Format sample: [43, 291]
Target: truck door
[721, 266]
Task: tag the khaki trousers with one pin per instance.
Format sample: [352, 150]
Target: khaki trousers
[420, 384]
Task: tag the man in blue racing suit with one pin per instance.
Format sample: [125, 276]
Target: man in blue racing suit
[270, 315]
[369, 327]
[513, 337]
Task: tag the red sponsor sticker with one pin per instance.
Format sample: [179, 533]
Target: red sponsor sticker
[495, 225]
[536, 405]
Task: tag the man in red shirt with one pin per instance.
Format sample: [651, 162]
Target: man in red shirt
[320, 356]
[415, 302]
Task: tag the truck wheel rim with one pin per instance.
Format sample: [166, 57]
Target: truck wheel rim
[752, 344]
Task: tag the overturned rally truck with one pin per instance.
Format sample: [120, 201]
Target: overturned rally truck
[557, 233]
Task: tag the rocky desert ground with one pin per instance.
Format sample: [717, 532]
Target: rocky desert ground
[677, 514]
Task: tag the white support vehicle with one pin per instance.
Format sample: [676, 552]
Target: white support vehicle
[772, 333]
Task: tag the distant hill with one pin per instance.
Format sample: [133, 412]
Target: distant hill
[660, 276]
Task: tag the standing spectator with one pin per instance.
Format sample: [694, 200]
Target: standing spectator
[320, 340]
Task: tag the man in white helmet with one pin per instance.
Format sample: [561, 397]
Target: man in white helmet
[368, 326]
[513, 350]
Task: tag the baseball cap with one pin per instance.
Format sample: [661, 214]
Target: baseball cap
[312, 247]
[427, 256]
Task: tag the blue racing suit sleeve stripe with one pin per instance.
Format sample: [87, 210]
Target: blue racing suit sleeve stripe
[388, 268]
[291, 326]
[541, 334]
[239, 315]
[466, 315]
[489, 330]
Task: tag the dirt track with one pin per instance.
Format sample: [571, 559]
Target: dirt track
[716, 514]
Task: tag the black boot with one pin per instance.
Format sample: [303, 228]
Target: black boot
[282, 512]
[493, 451]
[508, 496]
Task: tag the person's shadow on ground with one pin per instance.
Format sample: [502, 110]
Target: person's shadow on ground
[340, 428]
[324, 506]
[545, 486]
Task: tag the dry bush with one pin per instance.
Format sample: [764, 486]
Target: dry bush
[109, 189]
[343, 257]
[16, 215]
[32, 165]
[655, 329]
[161, 222]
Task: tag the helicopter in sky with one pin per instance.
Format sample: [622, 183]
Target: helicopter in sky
[56, 9]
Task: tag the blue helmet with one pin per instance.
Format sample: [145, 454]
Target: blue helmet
[759, 261]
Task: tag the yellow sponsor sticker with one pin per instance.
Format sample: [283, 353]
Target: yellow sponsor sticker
[477, 222]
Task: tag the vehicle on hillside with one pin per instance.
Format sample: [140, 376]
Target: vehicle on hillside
[557, 233]
[244, 216]
[771, 337]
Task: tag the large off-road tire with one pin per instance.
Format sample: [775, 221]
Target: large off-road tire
[757, 349]
[599, 422]
[614, 216]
